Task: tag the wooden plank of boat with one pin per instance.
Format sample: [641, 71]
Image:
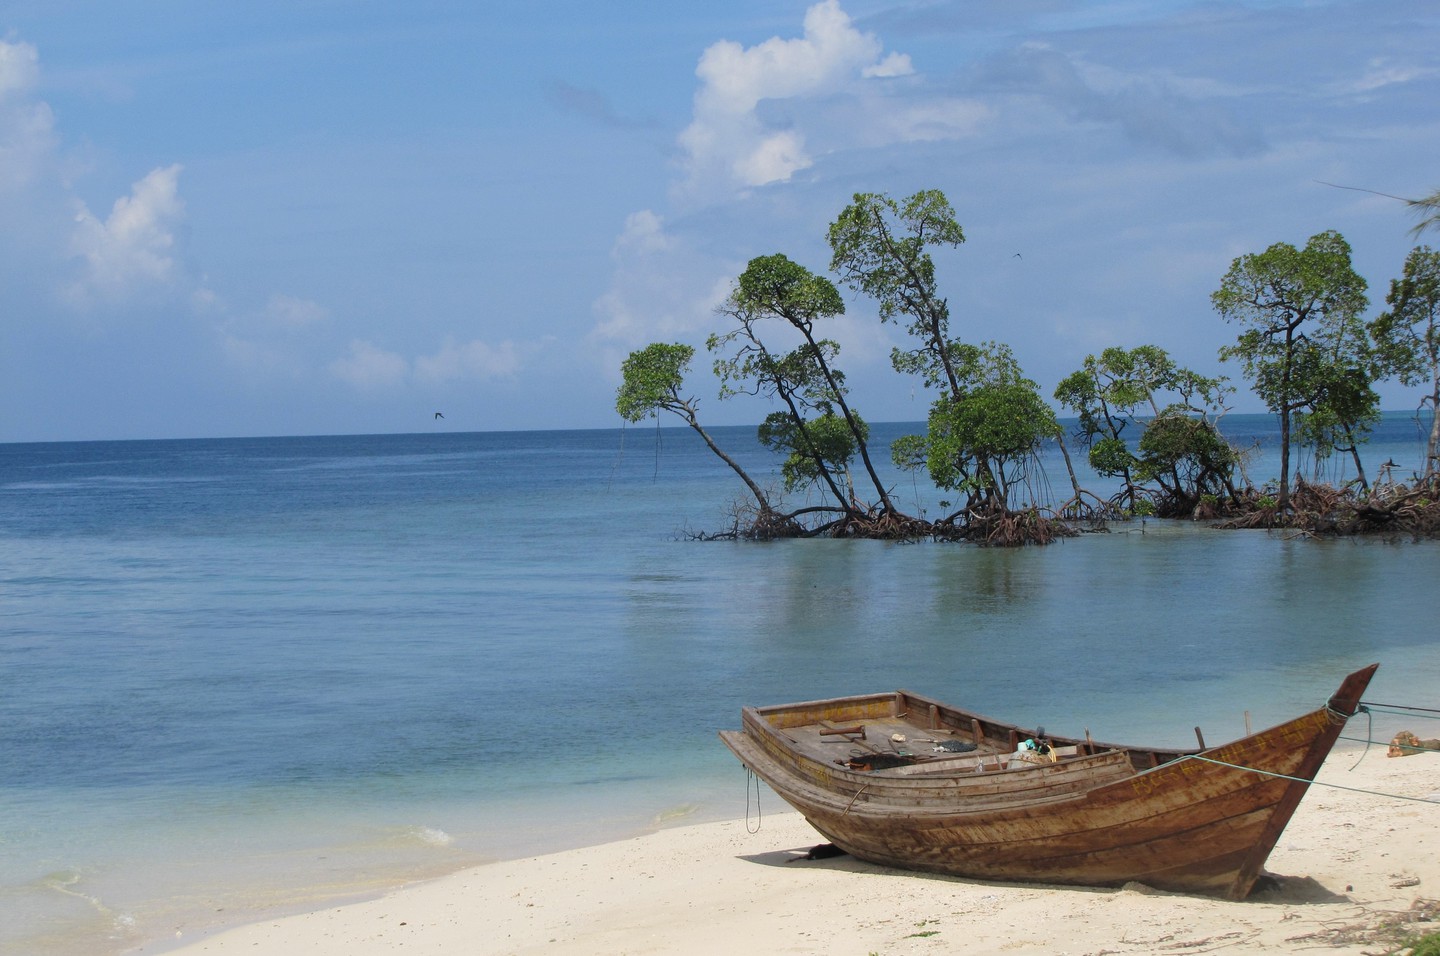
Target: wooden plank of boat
[1101, 814]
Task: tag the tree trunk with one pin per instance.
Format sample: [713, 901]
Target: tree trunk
[1069, 467]
[750, 482]
[1432, 463]
[849, 419]
[1283, 502]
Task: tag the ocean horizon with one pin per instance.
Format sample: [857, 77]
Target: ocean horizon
[251, 675]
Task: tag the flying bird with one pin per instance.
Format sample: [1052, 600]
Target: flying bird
[438, 415]
[1017, 256]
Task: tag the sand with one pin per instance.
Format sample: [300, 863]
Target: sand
[1352, 873]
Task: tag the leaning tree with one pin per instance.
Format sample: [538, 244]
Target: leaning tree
[1302, 332]
[651, 382]
[881, 248]
[805, 379]
[1407, 337]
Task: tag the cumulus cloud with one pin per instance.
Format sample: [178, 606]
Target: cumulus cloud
[728, 145]
[367, 366]
[133, 247]
[896, 64]
[19, 67]
[761, 114]
[289, 312]
[457, 361]
[27, 126]
[273, 340]
[654, 289]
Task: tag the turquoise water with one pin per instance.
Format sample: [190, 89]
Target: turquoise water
[246, 674]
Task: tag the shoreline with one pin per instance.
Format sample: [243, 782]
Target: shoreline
[1355, 863]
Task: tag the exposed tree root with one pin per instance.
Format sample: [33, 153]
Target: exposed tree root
[1391, 511]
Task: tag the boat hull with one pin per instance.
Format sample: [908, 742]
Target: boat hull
[1200, 821]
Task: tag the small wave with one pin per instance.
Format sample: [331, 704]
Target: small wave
[671, 814]
[431, 836]
[122, 925]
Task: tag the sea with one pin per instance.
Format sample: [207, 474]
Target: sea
[248, 676]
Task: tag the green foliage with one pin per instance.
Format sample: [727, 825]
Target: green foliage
[812, 447]
[1302, 340]
[1424, 945]
[978, 441]
[1186, 455]
[1407, 335]
[1350, 408]
[1299, 309]
[1110, 393]
[909, 452]
[1111, 457]
[880, 248]
[775, 285]
[803, 379]
[651, 379]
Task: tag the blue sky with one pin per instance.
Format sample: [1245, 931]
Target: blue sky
[322, 217]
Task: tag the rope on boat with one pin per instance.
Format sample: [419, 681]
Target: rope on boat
[1369, 731]
[1429, 713]
[759, 817]
[1369, 708]
[1313, 783]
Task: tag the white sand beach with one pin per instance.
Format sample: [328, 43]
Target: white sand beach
[1352, 872]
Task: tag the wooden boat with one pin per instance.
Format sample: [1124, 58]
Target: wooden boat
[902, 780]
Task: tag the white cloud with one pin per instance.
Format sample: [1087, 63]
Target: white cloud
[661, 286]
[761, 114]
[27, 127]
[774, 159]
[728, 145]
[925, 121]
[133, 247]
[290, 312]
[896, 64]
[19, 68]
[271, 341]
[1383, 71]
[468, 360]
[367, 366]
[643, 233]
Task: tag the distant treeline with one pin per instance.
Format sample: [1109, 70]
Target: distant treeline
[1304, 346]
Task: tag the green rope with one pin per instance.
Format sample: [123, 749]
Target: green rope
[752, 777]
[1404, 710]
[1369, 732]
[1363, 740]
[1282, 776]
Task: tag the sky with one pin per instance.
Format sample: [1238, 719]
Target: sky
[325, 217]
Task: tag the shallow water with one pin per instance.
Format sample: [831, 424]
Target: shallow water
[243, 674]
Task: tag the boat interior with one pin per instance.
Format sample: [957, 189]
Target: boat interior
[904, 734]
